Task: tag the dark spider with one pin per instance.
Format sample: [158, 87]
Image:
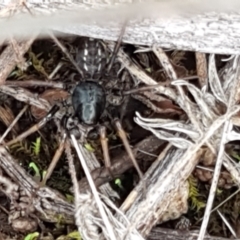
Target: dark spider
[89, 98]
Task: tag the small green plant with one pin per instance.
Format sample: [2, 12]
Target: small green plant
[74, 235]
[36, 146]
[89, 147]
[235, 155]
[36, 63]
[194, 194]
[70, 198]
[60, 221]
[32, 151]
[148, 69]
[44, 174]
[32, 236]
[118, 182]
[35, 169]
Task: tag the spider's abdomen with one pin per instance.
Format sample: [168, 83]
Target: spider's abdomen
[91, 57]
[88, 100]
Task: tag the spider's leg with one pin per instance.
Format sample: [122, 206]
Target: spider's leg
[65, 51]
[58, 152]
[117, 46]
[104, 143]
[35, 127]
[55, 160]
[123, 137]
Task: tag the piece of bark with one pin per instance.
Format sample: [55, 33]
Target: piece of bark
[167, 192]
[169, 234]
[203, 26]
[11, 56]
[48, 203]
[23, 95]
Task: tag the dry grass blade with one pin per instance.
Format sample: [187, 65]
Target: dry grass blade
[64, 50]
[199, 98]
[13, 123]
[227, 199]
[94, 191]
[55, 159]
[214, 80]
[227, 128]
[169, 124]
[34, 83]
[26, 96]
[87, 211]
[86, 227]
[7, 117]
[56, 69]
[201, 62]
[214, 182]
[183, 101]
[179, 142]
[166, 64]
[34, 128]
[227, 224]
[141, 75]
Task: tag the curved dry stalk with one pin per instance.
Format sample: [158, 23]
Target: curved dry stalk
[183, 101]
